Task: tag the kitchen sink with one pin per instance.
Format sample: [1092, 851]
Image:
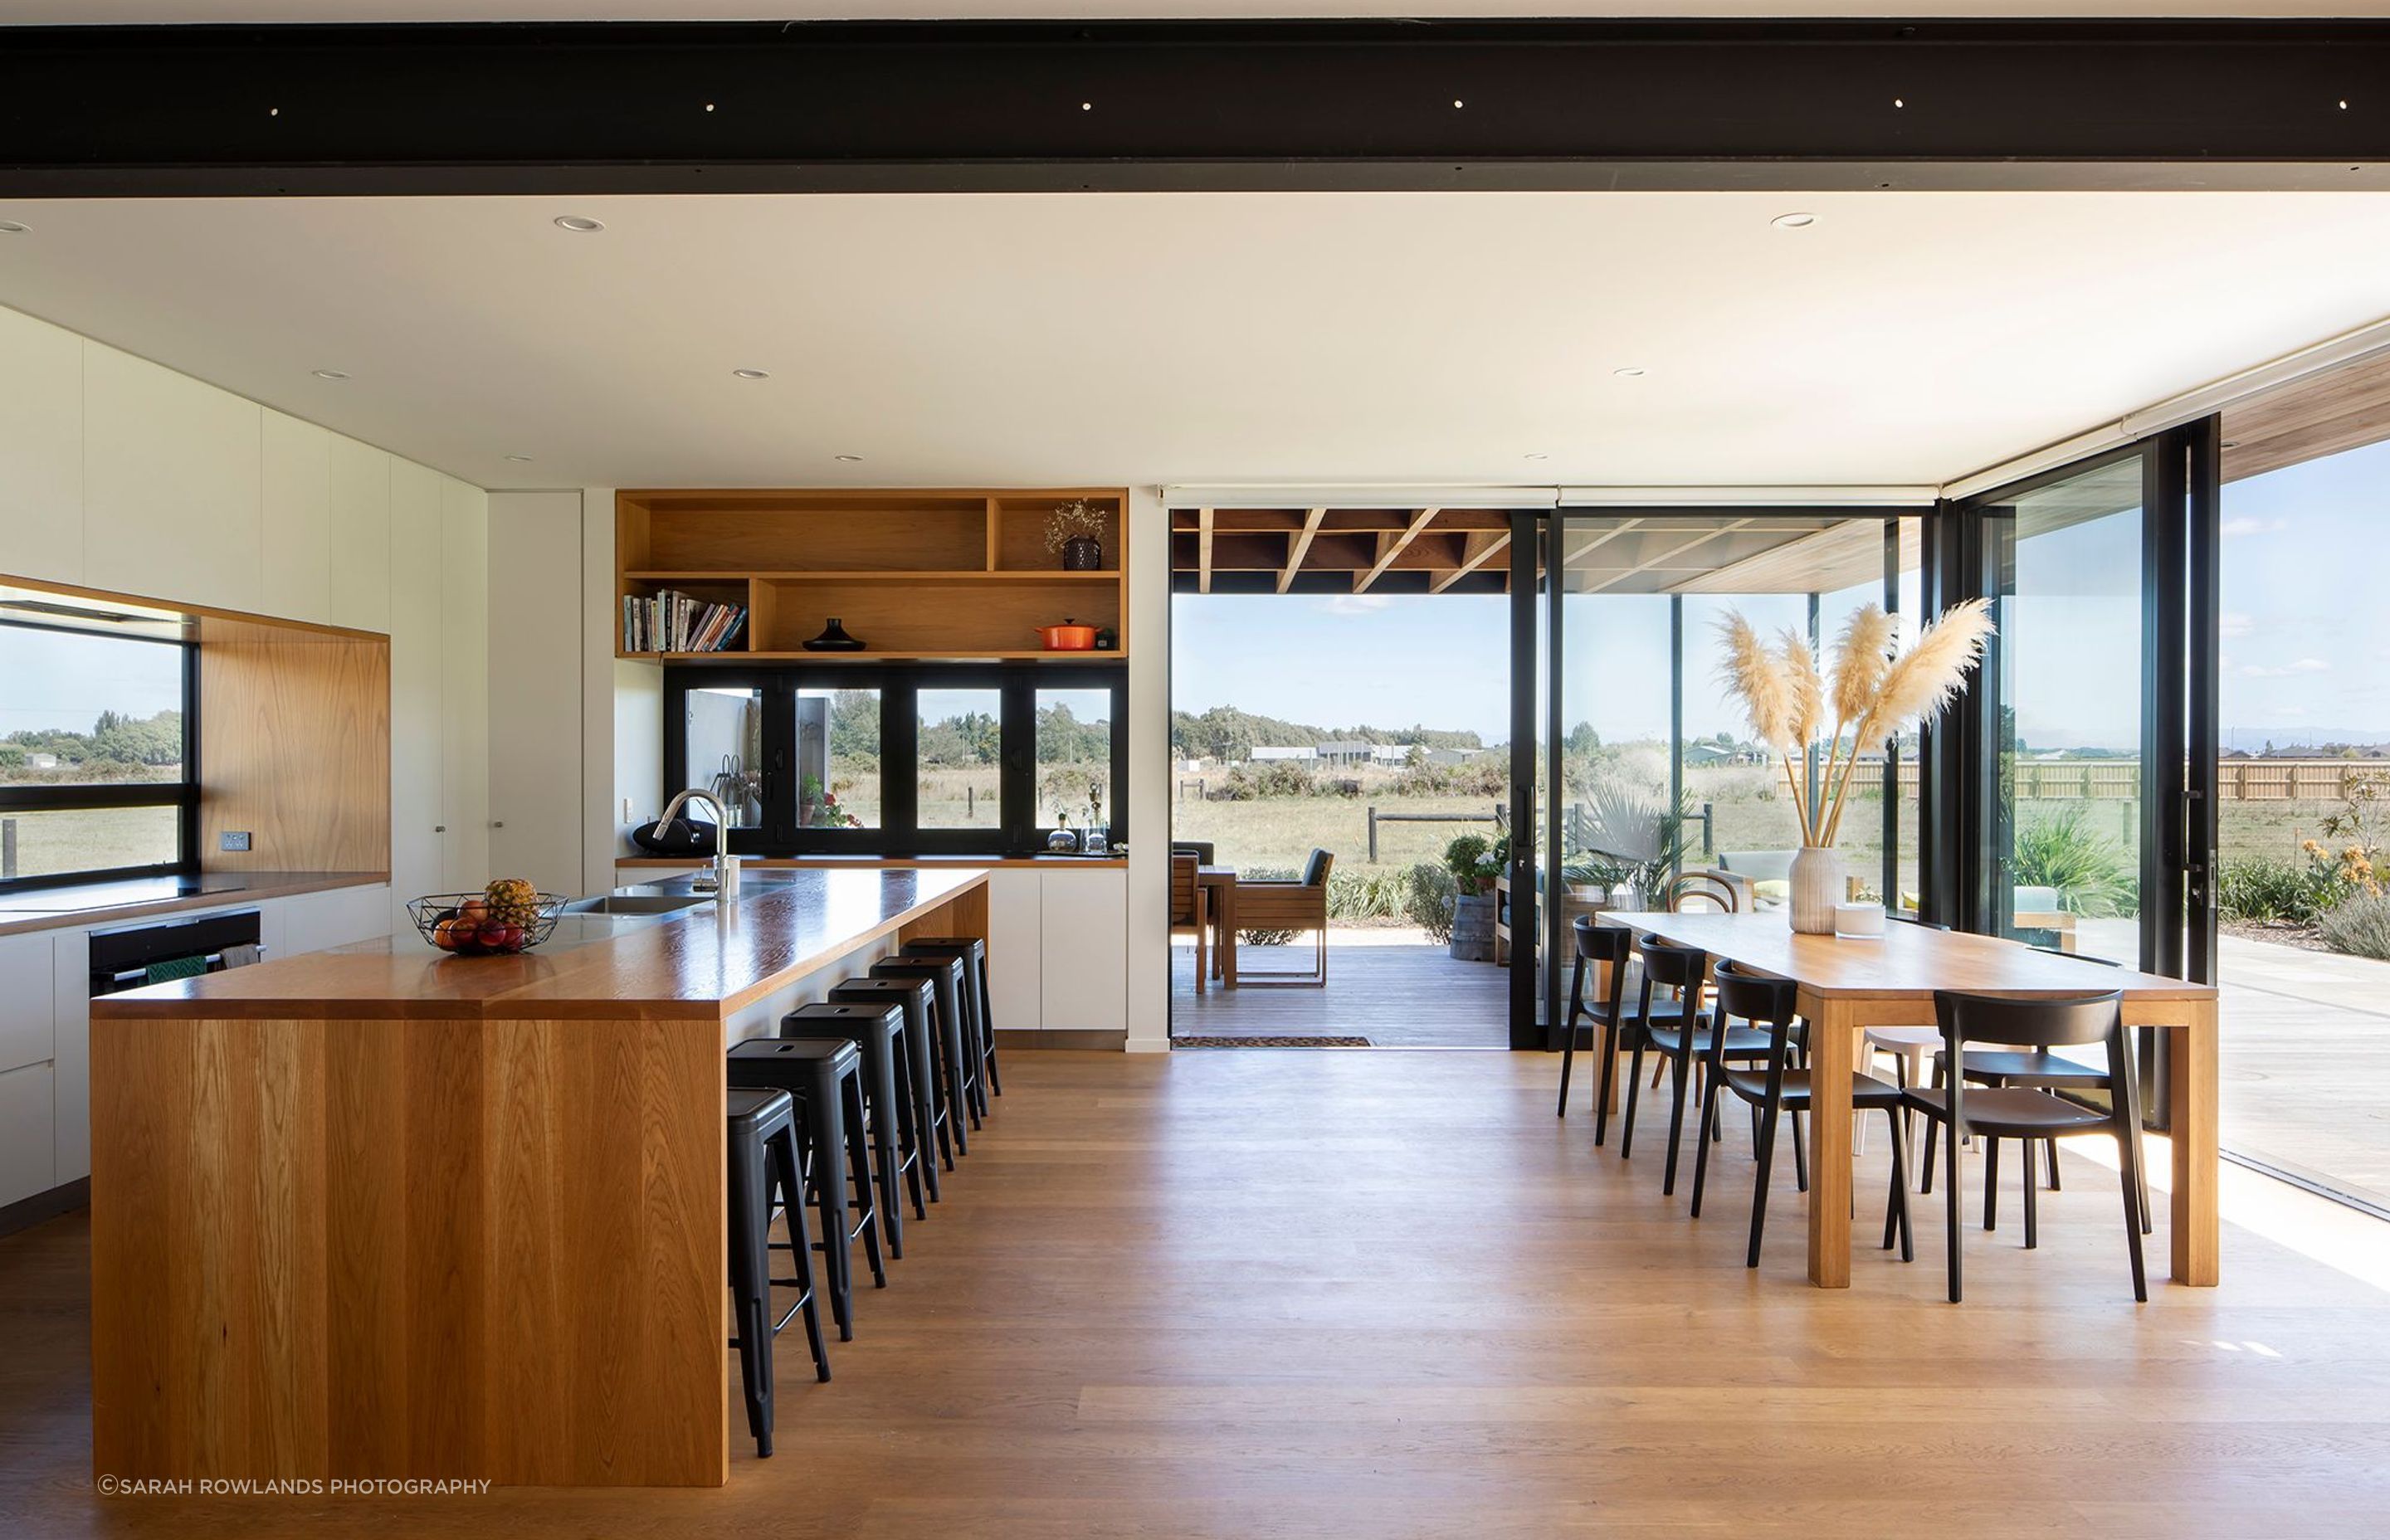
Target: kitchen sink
[637, 903]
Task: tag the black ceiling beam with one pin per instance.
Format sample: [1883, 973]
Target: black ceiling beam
[1047, 106]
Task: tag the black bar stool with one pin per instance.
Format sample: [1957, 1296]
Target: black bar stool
[977, 1005]
[761, 1129]
[917, 1000]
[826, 1080]
[878, 1031]
[945, 975]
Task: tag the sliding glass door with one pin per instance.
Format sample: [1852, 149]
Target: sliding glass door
[2088, 812]
[1646, 768]
[2067, 564]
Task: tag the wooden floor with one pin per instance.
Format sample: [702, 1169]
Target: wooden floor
[1388, 1294]
[1392, 987]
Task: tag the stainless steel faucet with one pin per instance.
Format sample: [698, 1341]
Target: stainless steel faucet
[724, 880]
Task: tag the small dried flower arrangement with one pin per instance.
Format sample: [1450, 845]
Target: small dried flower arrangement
[1077, 519]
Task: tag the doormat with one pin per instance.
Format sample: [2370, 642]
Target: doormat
[1269, 1042]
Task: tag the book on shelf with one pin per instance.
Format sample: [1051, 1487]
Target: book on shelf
[674, 622]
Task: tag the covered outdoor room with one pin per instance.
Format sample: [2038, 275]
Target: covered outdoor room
[1645, 774]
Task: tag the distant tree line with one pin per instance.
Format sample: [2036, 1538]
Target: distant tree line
[1229, 736]
[115, 741]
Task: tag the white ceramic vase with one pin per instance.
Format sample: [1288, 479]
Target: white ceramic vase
[1817, 886]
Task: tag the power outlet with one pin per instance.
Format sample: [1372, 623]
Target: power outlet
[233, 839]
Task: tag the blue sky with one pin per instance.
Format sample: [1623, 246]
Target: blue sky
[2305, 648]
[2306, 630]
[55, 679]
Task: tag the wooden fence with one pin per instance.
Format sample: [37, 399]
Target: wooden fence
[2237, 780]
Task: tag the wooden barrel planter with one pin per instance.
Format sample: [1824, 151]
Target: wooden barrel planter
[1472, 927]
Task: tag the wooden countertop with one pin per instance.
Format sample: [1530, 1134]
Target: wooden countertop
[707, 963]
[84, 903]
[1906, 961]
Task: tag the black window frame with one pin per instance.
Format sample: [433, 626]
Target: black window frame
[899, 833]
[181, 795]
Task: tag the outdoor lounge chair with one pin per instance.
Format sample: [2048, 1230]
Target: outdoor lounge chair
[1188, 912]
[1298, 906]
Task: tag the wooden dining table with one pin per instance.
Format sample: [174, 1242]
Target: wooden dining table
[1847, 986]
[1218, 886]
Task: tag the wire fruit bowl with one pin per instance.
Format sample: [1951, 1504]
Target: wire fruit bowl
[461, 923]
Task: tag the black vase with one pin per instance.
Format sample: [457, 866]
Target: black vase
[1083, 553]
[834, 639]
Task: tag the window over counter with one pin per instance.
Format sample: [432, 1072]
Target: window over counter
[919, 759]
[97, 725]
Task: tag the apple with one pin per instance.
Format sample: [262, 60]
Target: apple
[454, 934]
[473, 911]
[502, 937]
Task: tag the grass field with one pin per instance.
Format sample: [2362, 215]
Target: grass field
[92, 839]
[1745, 814]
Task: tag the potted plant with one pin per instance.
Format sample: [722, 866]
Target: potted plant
[1876, 690]
[1632, 839]
[1074, 531]
[817, 806]
[1471, 860]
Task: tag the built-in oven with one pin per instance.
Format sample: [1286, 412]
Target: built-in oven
[139, 955]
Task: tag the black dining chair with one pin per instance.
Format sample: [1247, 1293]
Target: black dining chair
[2028, 1114]
[1616, 1026]
[1683, 1040]
[1769, 1005]
[2001, 1068]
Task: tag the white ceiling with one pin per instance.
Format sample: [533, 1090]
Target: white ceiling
[90, 12]
[1421, 337]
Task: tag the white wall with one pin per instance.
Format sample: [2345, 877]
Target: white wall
[121, 475]
[1148, 772]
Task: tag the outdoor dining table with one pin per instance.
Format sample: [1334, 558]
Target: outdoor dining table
[1219, 886]
[1847, 986]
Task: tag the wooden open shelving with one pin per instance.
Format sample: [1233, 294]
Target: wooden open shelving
[915, 574]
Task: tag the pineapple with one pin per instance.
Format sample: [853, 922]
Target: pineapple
[513, 902]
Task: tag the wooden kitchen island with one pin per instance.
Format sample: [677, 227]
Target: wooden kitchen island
[380, 1212]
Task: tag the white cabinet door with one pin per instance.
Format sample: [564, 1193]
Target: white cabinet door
[296, 519]
[417, 833]
[71, 1076]
[464, 683]
[536, 646]
[1015, 924]
[360, 518]
[314, 921]
[41, 445]
[1085, 949]
[171, 496]
[28, 1158]
[26, 1033]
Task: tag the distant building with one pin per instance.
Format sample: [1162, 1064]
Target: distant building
[1348, 753]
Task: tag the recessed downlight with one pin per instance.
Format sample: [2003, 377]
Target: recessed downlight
[580, 224]
[850, 459]
[1793, 221]
[14, 227]
[520, 459]
[753, 374]
[1538, 456]
[331, 374]
[1628, 374]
